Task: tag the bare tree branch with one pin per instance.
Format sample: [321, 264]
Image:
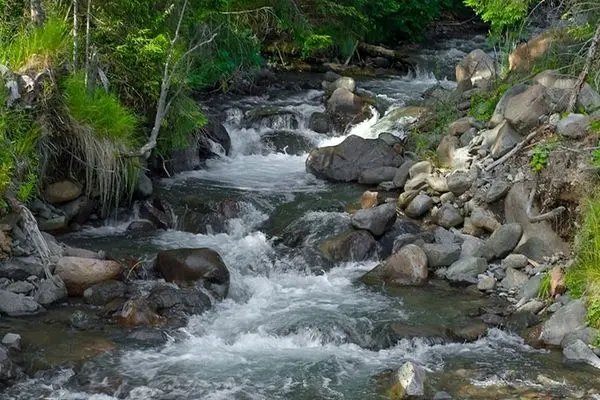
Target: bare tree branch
[586, 70]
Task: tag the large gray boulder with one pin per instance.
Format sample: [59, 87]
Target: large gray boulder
[579, 352]
[16, 305]
[353, 246]
[441, 255]
[523, 111]
[407, 267]
[498, 115]
[448, 216]
[466, 269]
[567, 319]
[477, 67]
[345, 162]
[376, 220]
[503, 241]
[419, 206]
[20, 268]
[563, 85]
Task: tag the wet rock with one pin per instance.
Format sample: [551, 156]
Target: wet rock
[347, 160]
[62, 192]
[20, 287]
[275, 118]
[466, 270]
[376, 220]
[20, 268]
[407, 267]
[353, 246]
[515, 261]
[51, 291]
[503, 240]
[410, 381]
[188, 266]
[144, 187]
[344, 108]
[137, 312]
[12, 341]
[579, 352]
[331, 76]
[514, 279]
[478, 67]
[78, 274]
[287, 142]
[523, 111]
[506, 139]
[448, 216]
[141, 226]
[497, 191]
[210, 217]
[9, 371]
[78, 210]
[102, 293]
[158, 212]
[420, 168]
[403, 173]
[486, 282]
[375, 176]
[17, 305]
[469, 333]
[419, 206]
[343, 82]
[148, 337]
[557, 281]
[459, 182]
[319, 122]
[168, 300]
[569, 318]
[441, 255]
[492, 319]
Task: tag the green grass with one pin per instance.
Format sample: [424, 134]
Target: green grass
[544, 292]
[36, 45]
[426, 135]
[484, 104]
[584, 277]
[102, 112]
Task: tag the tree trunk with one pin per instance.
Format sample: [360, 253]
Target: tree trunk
[87, 39]
[37, 12]
[585, 71]
[75, 35]
[380, 51]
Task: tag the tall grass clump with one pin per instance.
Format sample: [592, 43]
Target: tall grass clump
[104, 133]
[35, 45]
[584, 277]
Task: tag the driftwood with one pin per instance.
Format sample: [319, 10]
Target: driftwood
[585, 71]
[514, 151]
[542, 217]
[380, 51]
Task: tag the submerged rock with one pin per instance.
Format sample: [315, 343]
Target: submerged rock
[188, 266]
[102, 293]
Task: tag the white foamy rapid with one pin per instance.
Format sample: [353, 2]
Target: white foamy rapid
[283, 332]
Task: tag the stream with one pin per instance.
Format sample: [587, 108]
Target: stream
[291, 327]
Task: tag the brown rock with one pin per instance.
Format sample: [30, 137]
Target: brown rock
[408, 267]
[469, 333]
[446, 149]
[62, 192]
[136, 312]
[557, 281]
[79, 274]
[368, 199]
[525, 54]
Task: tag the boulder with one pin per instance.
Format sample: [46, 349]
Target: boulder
[12, 341]
[376, 220]
[157, 211]
[419, 206]
[569, 318]
[448, 216]
[506, 139]
[532, 306]
[579, 352]
[169, 300]
[137, 312]
[514, 279]
[17, 305]
[500, 109]
[531, 288]
[586, 335]
[144, 187]
[62, 192]
[354, 246]
[444, 236]
[471, 246]
[188, 266]
[441, 255]
[141, 226]
[51, 291]
[563, 85]
[462, 125]
[503, 240]
[466, 270]
[79, 274]
[319, 122]
[498, 190]
[343, 82]
[79, 210]
[484, 219]
[557, 281]
[437, 183]
[468, 333]
[515, 261]
[539, 239]
[375, 176]
[523, 111]
[573, 126]
[331, 76]
[420, 168]
[446, 151]
[102, 293]
[345, 162]
[344, 108]
[410, 381]
[9, 371]
[403, 173]
[20, 287]
[368, 199]
[459, 182]
[478, 67]
[407, 267]
[20, 268]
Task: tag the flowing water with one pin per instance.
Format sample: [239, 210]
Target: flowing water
[292, 328]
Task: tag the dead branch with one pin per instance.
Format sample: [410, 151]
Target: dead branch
[514, 151]
[538, 218]
[585, 71]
